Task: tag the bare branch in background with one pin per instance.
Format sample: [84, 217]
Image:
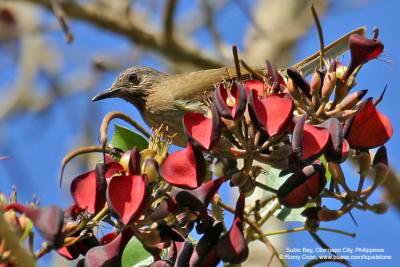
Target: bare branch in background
[59, 13]
[176, 51]
[169, 14]
[283, 29]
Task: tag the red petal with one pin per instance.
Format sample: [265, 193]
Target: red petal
[304, 183]
[201, 129]
[184, 168]
[107, 238]
[70, 252]
[279, 109]
[362, 50]
[221, 97]
[314, 141]
[232, 246]
[127, 195]
[273, 113]
[255, 85]
[370, 128]
[84, 193]
[109, 254]
[297, 198]
[88, 189]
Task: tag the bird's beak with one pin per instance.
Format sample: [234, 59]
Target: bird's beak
[109, 93]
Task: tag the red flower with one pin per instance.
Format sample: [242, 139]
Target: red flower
[309, 141]
[362, 50]
[368, 128]
[301, 185]
[203, 129]
[89, 189]
[273, 113]
[232, 246]
[231, 103]
[184, 168]
[127, 196]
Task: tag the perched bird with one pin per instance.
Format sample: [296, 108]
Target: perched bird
[163, 98]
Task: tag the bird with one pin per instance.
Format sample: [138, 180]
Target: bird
[163, 99]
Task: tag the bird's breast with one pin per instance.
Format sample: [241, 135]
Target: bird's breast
[172, 119]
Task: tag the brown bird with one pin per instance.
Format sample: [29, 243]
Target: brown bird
[163, 98]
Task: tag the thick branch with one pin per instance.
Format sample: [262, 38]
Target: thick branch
[177, 51]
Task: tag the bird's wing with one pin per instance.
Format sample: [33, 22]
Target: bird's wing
[188, 91]
[332, 51]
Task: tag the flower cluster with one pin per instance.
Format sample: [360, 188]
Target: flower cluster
[305, 129]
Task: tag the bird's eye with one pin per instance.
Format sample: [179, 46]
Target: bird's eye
[133, 78]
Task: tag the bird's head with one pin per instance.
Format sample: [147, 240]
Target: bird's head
[133, 85]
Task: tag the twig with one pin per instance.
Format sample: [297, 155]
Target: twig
[60, 15]
[77, 152]
[118, 115]
[181, 52]
[300, 229]
[237, 64]
[320, 36]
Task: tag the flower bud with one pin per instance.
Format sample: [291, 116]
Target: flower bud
[380, 165]
[299, 81]
[379, 208]
[124, 160]
[247, 188]
[326, 215]
[351, 100]
[316, 83]
[239, 179]
[150, 168]
[293, 89]
[340, 69]
[364, 162]
[329, 82]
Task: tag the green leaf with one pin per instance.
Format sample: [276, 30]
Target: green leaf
[328, 174]
[126, 139]
[292, 215]
[134, 254]
[271, 178]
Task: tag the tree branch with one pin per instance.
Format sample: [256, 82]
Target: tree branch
[169, 13]
[176, 51]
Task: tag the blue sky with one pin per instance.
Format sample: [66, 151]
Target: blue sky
[37, 146]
